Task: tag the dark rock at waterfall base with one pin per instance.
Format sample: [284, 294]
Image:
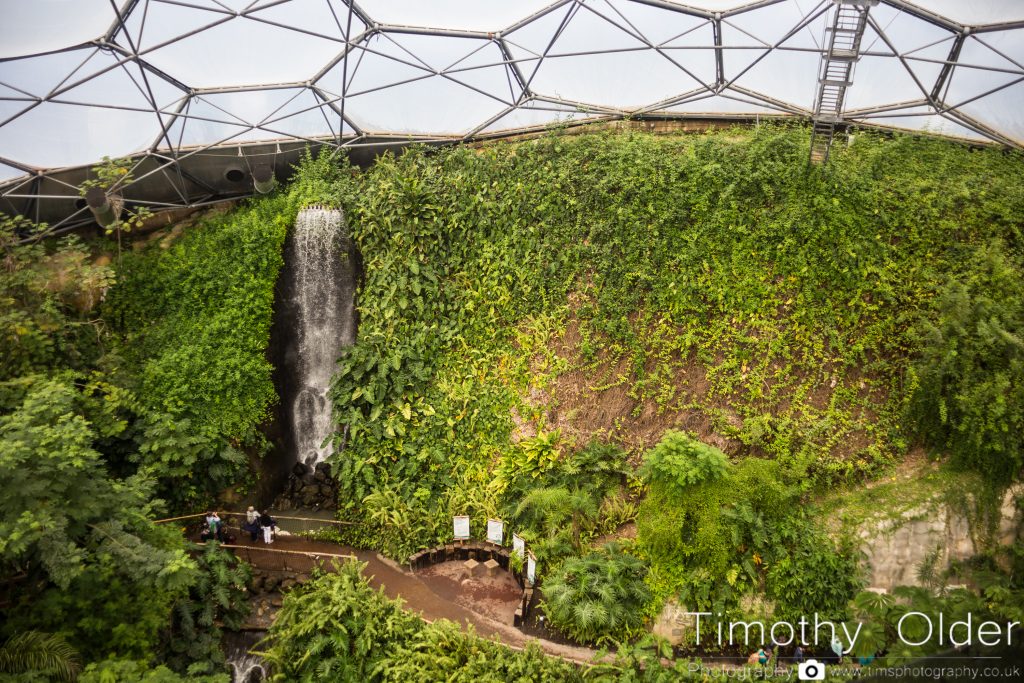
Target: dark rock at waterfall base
[309, 488]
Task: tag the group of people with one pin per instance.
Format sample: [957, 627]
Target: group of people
[255, 523]
[214, 528]
[765, 655]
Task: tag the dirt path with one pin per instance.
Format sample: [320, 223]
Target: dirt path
[438, 592]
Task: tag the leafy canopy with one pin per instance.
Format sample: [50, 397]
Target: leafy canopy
[969, 394]
[597, 597]
[679, 462]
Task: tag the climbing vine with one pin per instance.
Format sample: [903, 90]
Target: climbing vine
[712, 277]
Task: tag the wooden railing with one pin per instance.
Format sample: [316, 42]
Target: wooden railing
[242, 514]
[281, 559]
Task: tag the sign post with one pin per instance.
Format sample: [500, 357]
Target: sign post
[495, 531]
[518, 546]
[461, 527]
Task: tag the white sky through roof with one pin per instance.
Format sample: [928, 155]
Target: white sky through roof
[80, 80]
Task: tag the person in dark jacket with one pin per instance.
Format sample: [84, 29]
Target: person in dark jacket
[267, 523]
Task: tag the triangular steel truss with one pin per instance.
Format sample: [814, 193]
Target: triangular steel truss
[196, 91]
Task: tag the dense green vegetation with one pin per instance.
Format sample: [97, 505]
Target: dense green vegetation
[969, 400]
[599, 596]
[787, 315]
[124, 397]
[337, 627]
[195, 323]
[694, 335]
[704, 520]
[714, 278]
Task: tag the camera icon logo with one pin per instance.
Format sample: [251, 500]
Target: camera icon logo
[811, 670]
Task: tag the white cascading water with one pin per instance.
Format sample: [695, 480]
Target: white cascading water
[247, 668]
[323, 301]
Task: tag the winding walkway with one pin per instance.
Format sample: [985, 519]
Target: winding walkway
[430, 596]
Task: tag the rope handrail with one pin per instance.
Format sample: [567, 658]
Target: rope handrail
[306, 553]
[242, 514]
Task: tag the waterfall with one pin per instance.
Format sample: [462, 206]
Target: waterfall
[323, 289]
[247, 668]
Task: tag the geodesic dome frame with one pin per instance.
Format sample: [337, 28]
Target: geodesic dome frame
[196, 92]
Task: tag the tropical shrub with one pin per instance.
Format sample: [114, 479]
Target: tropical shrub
[558, 517]
[969, 394]
[814, 574]
[217, 600]
[679, 462]
[741, 526]
[680, 520]
[116, 670]
[597, 597]
[42, 654]
[599, 467]
[996, 593]
[443, 651]
[336, 627]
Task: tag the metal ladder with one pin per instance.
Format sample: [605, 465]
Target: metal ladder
[836, 73]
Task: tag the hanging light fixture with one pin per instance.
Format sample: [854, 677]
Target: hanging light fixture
[263, 177]
[105, 209]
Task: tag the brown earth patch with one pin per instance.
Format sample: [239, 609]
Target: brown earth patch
[595, 398]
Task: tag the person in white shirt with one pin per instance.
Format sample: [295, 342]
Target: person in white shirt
[252, 522]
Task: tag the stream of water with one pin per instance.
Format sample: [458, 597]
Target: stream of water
[245, 667]
[324, 290]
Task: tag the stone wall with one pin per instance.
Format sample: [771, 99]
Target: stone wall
[937, 532]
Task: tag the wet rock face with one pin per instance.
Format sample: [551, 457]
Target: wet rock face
[935, 534]
[310, 488]
[675, 623]
[266, 596]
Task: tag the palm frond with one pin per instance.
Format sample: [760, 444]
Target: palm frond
[35, 652]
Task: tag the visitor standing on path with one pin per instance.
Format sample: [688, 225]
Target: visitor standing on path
[214, 528]
[252, 522]
[267, 522]
[837, 647]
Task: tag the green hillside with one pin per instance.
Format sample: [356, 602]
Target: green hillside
[682, 367]
[613, 286]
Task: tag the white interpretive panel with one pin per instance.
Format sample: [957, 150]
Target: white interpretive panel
[461, 527]
[495, 531]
